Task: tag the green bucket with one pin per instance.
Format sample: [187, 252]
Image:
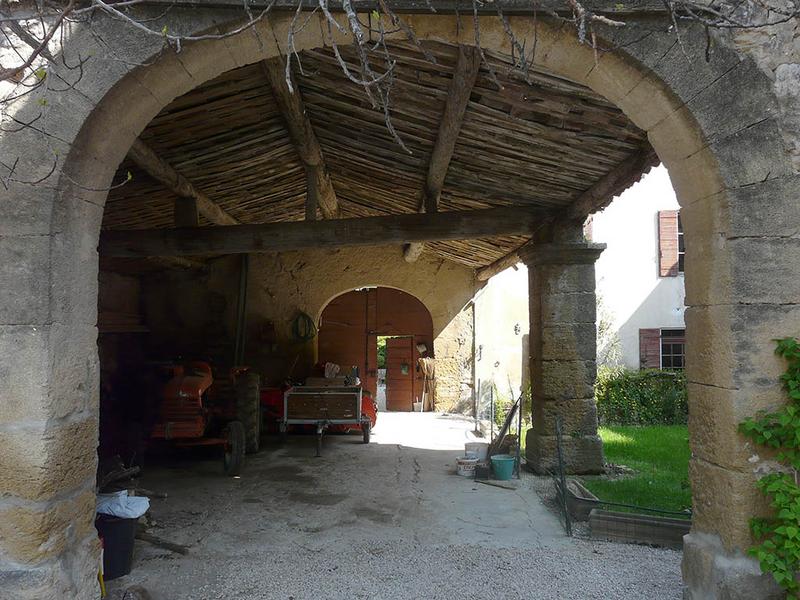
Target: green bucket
[503, 466]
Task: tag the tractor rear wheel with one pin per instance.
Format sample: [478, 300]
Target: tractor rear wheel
[233, 459]
[248, 409]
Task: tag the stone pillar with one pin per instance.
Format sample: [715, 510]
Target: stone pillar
[563, 340]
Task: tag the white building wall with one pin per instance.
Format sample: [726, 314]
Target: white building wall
[501, 330]
[631, 295]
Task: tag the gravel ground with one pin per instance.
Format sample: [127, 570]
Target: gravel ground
[389, 520]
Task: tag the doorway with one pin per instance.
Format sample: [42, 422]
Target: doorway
[400, 373]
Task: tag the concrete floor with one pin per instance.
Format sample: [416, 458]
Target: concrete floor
[387, 520]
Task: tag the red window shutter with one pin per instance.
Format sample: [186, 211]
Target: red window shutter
[650, 348]
[668, 243]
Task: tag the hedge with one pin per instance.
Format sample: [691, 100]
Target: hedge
[646, 397]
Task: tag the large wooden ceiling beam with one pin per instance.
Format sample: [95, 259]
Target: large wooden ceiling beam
[295, 235]
[304, 139]
[612, 184]
[464, 75]
[160, 170]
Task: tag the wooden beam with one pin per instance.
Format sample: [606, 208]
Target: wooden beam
[303, 137]
[501, 264]
[612, 184]
[295, 235]
[178, 262]
[468, 65]
[160, 170]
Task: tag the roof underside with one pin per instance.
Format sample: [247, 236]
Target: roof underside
[538, 143]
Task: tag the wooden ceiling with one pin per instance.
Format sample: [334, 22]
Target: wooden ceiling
[538, 143]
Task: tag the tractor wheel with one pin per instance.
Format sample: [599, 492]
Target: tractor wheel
[233, 459]
[248, 409]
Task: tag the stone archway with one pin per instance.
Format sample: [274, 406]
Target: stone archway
[726, 157]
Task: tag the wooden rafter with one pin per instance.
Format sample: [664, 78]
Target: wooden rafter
[501, 264]
[295, 235]
[160, 170]
[612, 184]
[304, 139]
[464, 76]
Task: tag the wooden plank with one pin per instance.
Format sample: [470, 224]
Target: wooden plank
[464, 76]
[613, 183]
[294, 235]
[509, 260]
[160, 170]
[302, 135]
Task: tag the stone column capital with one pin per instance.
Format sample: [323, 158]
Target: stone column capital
[560, 253]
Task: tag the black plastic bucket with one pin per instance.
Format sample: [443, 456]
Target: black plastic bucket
[117, 535]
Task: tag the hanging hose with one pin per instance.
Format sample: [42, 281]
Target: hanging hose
[303, 328]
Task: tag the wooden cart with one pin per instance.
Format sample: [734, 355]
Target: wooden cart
[323, 406]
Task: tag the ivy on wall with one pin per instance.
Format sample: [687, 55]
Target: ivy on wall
[778, 537]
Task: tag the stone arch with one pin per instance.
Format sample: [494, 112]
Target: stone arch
[729, 168]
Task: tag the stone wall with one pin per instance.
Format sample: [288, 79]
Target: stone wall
[723, 126]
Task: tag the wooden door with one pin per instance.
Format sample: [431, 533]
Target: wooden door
[400, 373]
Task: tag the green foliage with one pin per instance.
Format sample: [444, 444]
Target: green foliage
[778, 537]
[647, 397]
[381, 352]
[659, 458]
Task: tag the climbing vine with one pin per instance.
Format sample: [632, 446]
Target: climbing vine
[778, 537]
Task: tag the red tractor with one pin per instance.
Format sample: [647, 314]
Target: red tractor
[199, 410]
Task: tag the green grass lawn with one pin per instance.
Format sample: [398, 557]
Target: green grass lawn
[659, 455]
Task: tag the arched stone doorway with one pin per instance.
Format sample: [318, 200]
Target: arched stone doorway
[350, 327]
[733, 178]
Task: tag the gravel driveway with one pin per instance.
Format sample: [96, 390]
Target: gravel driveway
[388, 520]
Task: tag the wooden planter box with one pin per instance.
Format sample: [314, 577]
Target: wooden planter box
[580, 501]
[634, 528]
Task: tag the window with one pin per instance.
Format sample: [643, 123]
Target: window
[681, 248]
[673, 348]
[662, 348]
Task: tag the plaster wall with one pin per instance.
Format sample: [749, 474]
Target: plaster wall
[630, 293]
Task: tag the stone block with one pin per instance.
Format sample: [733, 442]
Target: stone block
[31, 535]
[580, 307]
[38, 462]
[684, 67]
[576, 341]
[710, 571]
[677, 136]
[578, 416]
[765, 270]
[695, 177]
[714, 417]
[614, 77]
[771, 207]
[560, 279]
[24, 280]
[710, 356]
[723, 503]
[752, 155]
[24, 375]
[649, 102]
[741, 97]
[582, 454]
[562, 379]
[72, 576]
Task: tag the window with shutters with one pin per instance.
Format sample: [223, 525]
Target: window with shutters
[673, 348]
[662, 348]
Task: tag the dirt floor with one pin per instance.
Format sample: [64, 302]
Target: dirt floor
[386, 520]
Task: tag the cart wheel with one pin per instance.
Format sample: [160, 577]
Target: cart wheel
[366, 430]
[233, 459]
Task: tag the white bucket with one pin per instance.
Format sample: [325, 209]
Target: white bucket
[465, 466]
[479, 450]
